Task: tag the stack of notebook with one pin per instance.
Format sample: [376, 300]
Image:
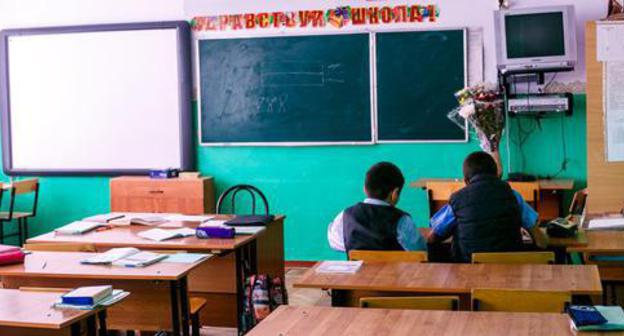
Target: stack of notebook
[596, 318]
[92, 297]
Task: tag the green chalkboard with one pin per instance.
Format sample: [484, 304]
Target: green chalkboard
[296, 89]
[417, 75]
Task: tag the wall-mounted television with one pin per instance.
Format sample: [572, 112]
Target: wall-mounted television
[536, 39]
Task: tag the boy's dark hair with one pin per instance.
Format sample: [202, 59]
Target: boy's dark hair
[479, 163]
[381, 179]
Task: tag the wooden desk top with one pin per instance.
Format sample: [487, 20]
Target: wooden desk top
[66, 265]
[126, 236]
[458, 278]
[34, 310]
[603, 241]
[554, 184]
[327, 321]
[579, 240]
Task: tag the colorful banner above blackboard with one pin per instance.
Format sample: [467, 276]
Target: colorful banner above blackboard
[334, 17]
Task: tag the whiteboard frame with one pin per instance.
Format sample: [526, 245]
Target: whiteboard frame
[466, 138]
[182, 28]
[282, 33]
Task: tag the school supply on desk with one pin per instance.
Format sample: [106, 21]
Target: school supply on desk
[596, 318]
[87, 296]
[110, 256]
[162, 235]
[250, 220]
[347, 267]
[164, 173]
[188, 218]
[147, 219]
[11, 255]
[78, 228]
[616, 223]
[103, 218]
[115, 296]
[205, 232]
[249, 230]
[141, 259]
[187, 258]
[562, 227]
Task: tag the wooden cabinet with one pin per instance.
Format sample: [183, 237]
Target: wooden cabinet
[142, 194]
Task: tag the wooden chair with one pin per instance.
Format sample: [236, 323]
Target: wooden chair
[412, 302]
[519, 300]
[20, 188]
[393, 256]
[61, 247]
[530, 191]
[514, 258]
[611, 269]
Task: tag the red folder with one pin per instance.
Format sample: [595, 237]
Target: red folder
[11, 255]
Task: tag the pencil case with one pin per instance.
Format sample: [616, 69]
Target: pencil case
[214, 232]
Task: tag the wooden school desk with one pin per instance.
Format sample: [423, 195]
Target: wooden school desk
[550, 203]
[156, 292]
[328, 321]
[220, 279]
[31, 314]
[459, 279]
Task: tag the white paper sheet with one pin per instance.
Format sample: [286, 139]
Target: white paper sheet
[606, 223]
[614, 110]
[610, 42]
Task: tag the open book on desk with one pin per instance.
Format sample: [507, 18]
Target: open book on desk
[147, 219]
[126, 256]
[161, 235]
[78, 228]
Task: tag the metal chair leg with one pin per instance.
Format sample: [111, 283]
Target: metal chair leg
[20, 234]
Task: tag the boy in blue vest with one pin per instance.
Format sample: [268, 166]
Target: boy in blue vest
[486, 215]
[375, 223]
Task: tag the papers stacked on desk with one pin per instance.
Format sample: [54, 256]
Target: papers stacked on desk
[348, 267]
[616, 223]
[78, 228]
[147, 219]
[89, 298]
[187, 258]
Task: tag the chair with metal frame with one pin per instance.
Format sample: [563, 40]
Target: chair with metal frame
[19, 188]
[234, 190]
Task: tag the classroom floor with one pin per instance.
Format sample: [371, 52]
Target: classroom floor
[296, 296]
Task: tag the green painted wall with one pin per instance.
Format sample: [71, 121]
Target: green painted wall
[311, 184]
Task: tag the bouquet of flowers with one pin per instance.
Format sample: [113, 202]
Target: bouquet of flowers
[482, 106]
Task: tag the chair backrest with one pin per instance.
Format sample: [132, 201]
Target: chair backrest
[578, 202]
[44, 289]
[61, 247]
[385, 256]
[251, 190]
[514, 258]
[21, 188]
[412, 302]
[442, 190]
[25, 186]
[520, 300]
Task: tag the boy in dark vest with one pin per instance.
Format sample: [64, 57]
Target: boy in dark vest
[486, 215]
[375, 223]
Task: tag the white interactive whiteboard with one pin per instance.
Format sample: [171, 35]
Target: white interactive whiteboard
[96, 99]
